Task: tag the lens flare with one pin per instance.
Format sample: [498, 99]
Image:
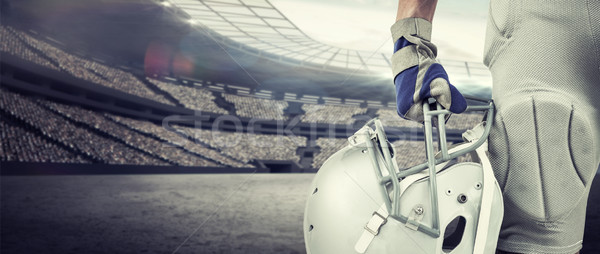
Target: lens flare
[157, 59]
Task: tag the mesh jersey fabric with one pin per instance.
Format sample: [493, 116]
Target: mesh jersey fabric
[545, 142]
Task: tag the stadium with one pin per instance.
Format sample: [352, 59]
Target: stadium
[185, 126]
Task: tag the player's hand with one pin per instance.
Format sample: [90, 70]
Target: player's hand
[417, 75]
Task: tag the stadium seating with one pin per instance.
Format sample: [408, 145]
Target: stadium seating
[389, 117]
[60, 130]
[248, 146]
[195, 98]
[257, 107]
[11, 44]
[77, 66]
[20, 144]
[464, 121]
[316, 113]
[179, 139]
[80, 135]
[158, 148]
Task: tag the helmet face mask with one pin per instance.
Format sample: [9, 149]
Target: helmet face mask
[361, 202]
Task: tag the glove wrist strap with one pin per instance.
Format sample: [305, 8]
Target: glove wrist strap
[417, 31]
[404, 58]
[417, 27]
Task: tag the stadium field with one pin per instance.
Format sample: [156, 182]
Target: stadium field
[186, 213]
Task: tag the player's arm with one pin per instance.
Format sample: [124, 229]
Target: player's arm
[416, 9]
[417, 75]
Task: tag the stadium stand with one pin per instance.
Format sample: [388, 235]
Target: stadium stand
[257, 108]
[179, 139]
[413, 153]
[23, 45]
[125, 140]
[389, 117]
[227, 149]
[11, 44]
[59, 129]
[464, 121]
[20, 144]
[191, 97]
[158, 148]
[248, 146]
[330, 113]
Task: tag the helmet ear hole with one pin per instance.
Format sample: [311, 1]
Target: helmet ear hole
[454, 233]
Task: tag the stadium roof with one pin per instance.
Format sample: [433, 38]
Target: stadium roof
[257, 27]
[265, 30]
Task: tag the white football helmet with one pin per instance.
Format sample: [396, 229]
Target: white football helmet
[361, 202]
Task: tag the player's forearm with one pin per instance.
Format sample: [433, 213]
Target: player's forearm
[416, 9]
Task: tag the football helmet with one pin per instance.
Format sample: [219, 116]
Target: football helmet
[360, 201]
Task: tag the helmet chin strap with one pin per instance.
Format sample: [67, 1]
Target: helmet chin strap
[371, 229]
[489, 181]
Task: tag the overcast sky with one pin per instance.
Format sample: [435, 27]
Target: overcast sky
[459, 25]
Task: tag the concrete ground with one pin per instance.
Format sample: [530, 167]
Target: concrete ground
[235, 213]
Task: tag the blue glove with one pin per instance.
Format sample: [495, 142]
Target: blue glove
[417, 74]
